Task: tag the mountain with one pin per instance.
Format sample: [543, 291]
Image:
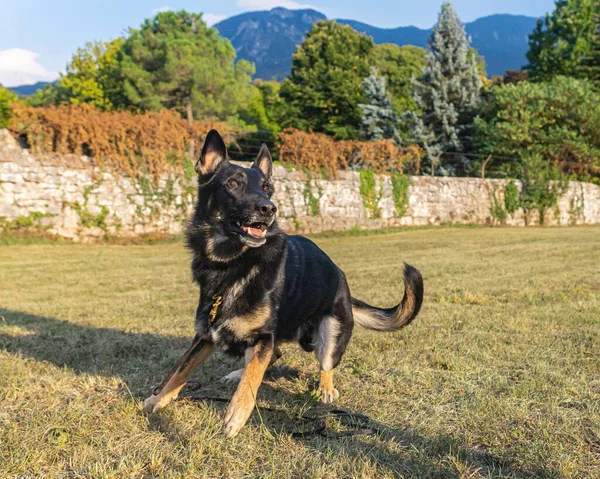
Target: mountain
[269, 38]
[502, 40]
[26, 90]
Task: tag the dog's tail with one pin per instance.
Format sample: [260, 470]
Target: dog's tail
[392, 319]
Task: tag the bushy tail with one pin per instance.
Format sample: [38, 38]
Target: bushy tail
[392, 319]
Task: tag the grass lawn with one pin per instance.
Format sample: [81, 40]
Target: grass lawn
[499, 376]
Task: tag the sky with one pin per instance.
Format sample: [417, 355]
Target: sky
[38, 37]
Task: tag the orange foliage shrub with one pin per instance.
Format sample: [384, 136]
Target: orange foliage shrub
[131, 143]
[314, 151]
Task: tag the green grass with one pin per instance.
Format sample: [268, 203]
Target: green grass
[498, 377]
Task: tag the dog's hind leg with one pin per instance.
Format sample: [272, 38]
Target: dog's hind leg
[197, 353]
[332, 338]
[236, 375]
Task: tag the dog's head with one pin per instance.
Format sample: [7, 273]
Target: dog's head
[234, 199]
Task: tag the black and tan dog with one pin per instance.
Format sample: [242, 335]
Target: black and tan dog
[260, 288]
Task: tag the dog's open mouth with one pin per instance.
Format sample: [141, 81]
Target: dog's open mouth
[255, 230]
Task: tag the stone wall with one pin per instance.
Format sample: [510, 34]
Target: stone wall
[71, 197]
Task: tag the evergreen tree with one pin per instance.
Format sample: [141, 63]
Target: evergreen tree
[589, 66]
[325, 87]
[448, 95]
[378, 116]
[562, 39]
[175, 61]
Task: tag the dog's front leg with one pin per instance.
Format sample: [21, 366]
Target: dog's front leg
[201, 348]
[244, 399]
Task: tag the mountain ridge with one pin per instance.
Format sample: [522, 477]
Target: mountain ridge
[268, 38]
[30, 89]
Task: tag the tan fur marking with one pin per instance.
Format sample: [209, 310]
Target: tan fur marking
[328, 392]
[209, 163]
[240, 285]
[178, 379]
[242, 326]
[244, 399]
[212, 255]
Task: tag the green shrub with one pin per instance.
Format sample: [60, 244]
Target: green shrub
[542, 186]
[497, 210]
[558, 122]
[311, 200]
[7, 97]
[370, 196]
[400, 184]
[511, 197]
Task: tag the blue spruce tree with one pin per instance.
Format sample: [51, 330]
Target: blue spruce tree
[378, 117]
[448, 95]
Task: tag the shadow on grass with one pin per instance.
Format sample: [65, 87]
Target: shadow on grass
[141, 360]
[138, 359]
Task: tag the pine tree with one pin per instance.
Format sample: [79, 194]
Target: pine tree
[590, 63]
[378, 116]
[561, 39]
[447, 94]
[175, 61]
[324, 88]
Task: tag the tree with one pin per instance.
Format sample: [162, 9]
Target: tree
[91, 76]
[7, 97]
[448, 94]
[559, 121]
[515, 76]
[378, 116]
[325, 87]
[265, 109]
[175, 61]
[51, 94]
[562, 39]
[589, 66]
[398, 65]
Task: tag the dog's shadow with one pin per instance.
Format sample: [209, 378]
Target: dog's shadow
[141, 360]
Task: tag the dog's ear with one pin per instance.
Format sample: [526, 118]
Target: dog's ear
[213, 154]
[263, 161]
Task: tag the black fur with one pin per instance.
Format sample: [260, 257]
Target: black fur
[287, 276]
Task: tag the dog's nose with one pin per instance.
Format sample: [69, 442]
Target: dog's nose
[267, 208]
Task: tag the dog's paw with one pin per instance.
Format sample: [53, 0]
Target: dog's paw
[328, 395]
[233, 376]
[234, 422]
[154, 404]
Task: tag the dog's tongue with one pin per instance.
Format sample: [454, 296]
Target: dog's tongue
[254, 231]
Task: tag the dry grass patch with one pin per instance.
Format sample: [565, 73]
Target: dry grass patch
[498, 377]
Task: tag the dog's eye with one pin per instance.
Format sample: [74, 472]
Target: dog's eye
[232, 183]
[266, 188]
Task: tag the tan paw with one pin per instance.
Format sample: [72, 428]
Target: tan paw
[155, 403]
[328, 395]
[234, 422]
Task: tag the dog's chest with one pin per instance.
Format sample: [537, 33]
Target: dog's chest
[234, 333]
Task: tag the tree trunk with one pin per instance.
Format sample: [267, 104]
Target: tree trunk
[484, 164]
[190, 119]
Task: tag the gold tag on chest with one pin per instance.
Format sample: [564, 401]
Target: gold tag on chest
[213, 312]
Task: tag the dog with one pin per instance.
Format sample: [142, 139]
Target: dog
[260, 288]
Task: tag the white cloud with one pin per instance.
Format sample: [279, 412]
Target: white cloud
[162, 9]
[268, 4]
[211, 18]
[20, 67]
